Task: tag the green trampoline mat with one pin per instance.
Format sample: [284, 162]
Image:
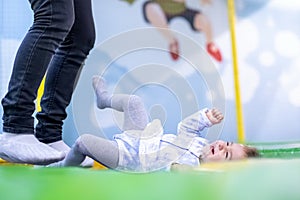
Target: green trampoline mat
[279, 150]
[275, 176]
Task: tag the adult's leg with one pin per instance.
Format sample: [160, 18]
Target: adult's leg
[102, 150]
[63, 72]
[135, 114]
[157, 18]
[202, 23]
[53, 20]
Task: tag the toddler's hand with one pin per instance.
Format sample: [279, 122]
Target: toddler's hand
[214, 115]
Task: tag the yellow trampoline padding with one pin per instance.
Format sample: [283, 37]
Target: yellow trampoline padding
[4, 162]
[241, 164]
[223, 165]
[97, 165]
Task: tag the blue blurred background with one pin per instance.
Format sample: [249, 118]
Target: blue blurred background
[268, 47]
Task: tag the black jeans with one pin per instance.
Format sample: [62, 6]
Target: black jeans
[58, 42]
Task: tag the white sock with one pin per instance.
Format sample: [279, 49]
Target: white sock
[103, 98]
[26, 138]
[60, 146]
[26, 148]
[88, 162]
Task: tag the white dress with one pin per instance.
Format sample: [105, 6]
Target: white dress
[152, 150]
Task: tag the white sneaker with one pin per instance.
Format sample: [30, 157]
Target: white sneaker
[25, 148]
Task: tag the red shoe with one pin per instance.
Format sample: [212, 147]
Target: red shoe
[174, 50]
[214, 51]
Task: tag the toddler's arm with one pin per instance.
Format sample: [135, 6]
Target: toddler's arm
[196, 122]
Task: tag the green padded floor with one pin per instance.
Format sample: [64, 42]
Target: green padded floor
[282, 150]
[276, 176]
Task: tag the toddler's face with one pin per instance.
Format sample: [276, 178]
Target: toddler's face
[222, 151]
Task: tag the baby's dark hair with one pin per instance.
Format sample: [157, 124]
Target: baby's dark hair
[251, 152]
